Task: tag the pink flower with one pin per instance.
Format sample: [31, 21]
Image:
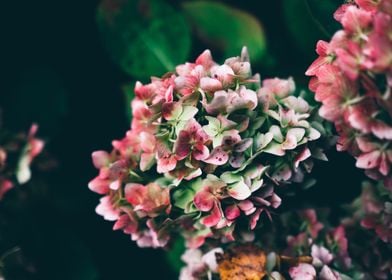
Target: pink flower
[333, 90]
[321, 255]
[166, 160]
[230, 101]
[279, 87]
[374, 156]
[350, 59]
[151, 199]
[240, 65]
[356, 20]
[150, 237]
[314, 226]
[192, 141]
[127, 222]
[368, 5]
[208, 200]
[100, 184]
[326, 52]
[190, 74]
[302, 271]
[107, 209]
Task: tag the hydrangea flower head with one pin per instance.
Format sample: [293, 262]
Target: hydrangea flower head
[208, 146]
[352, 78]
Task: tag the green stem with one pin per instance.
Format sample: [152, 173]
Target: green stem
[316, 21]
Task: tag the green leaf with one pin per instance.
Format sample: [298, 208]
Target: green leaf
[183, 196]
[226, 28]
[129, 94]
[144, 37]
[310, 21]
[173, 256]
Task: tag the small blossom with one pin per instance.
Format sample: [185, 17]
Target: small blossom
[303, 271]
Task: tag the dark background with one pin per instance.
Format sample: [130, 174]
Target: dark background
[56, 71]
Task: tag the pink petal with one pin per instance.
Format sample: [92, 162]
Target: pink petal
[204, 200]
[217, 157]
[384, 167]
[348, 63]
[302, 271]
[275, 200]
[201, 153]
[147, 142]
[183, 146]
[382, 130]
[166, 164]
[171, 110]
[366, 146]
[146, 161]
[315, 66]
[214, 217]
[255, 218]
[239, 190]
[5, 186]
[99, 185]
[355, 19]
[210, 84]
[100, 159]
[290, 143]
[205, 59]
[275, 149]
[303, 155]
[106, 209]
[369, 160]
[246, 206]
[232, 212]
[135, 193]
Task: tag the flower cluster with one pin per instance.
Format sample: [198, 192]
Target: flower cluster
[352, 78]
[16, 155]
[373, 209]
[328, 247]
[208, 145]
[303, 248]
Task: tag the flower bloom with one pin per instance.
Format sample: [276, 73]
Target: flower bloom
[207, 147]
[352, 80]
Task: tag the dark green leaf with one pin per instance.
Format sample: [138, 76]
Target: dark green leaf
[310, 21]
[173, 256]
[226, 28]
[144, 37]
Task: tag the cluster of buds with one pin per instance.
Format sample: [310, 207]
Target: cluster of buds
[352, 78]
[16, 155]
[208, 145]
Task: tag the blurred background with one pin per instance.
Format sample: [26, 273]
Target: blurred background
[70, 66]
